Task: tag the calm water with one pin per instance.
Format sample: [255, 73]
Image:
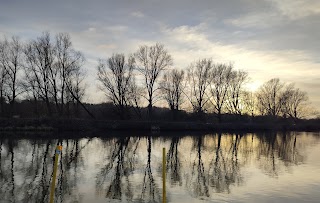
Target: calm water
[264, 167]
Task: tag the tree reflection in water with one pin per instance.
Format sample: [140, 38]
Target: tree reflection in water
[7, 175]
[150, 191]
[277, 150]
[33, 165]
[198, 181]
[173, 162]
[224, 170]
[274, 152]
[70, 161]
[114, 175]
[127, 172]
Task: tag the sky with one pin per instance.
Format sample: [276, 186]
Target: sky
[267, 38]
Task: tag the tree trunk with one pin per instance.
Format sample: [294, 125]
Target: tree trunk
[49, 111]
[1, 102]
[13, 100]
[150, 113]
[83, 106]
[137, 109]
[219, 116]
[122, 112]
[36, 112]
[12, 110]
[77, 110]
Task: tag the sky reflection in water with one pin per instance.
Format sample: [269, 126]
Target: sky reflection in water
[263, 167]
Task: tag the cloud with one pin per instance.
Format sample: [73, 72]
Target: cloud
[298, 8]
[256, 20]
[92, 29]
[267, 38]
[137, 14]
[190, 43]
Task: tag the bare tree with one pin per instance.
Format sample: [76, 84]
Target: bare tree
[278, 99]
[294, 102]
[40, 55]
[75, 89]
[135, 93]
[51, 67]
[172, 88]
[152, 61]
[68, 63]
[11, 60]
[29, 85]
[3, 74]
[269, 97]
[115, 76]
[198, 78]
[235, 97]
[249, 102]
[221, 78]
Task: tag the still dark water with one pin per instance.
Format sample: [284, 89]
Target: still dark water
[261, 167]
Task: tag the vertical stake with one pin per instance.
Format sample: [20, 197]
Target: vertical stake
[53, 183]
[164, 175]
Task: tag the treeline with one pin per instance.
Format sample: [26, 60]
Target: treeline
[205, 86]
[47, 71]
[46, 76]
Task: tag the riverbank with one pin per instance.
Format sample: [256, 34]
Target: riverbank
[46, 124]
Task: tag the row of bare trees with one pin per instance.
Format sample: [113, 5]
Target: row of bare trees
[204, 86]
[118, 77]
[279, 99]
[216, 87]
[45, 70]
[48, 71]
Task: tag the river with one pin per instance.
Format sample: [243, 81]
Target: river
[243, 167]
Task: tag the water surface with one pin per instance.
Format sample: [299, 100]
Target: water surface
[258, 167]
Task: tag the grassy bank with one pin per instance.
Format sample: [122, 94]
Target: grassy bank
[46, 124]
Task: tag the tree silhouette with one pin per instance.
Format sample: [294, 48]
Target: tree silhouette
[116, 77]
[151, 62]
[221, 77]
[11, 63]
[199, 81]
[172, 88]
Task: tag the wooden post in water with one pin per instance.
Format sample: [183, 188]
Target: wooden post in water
[164, 175]
[53, 183]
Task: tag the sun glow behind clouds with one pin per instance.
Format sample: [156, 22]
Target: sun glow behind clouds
[191, 43]
[253, 86]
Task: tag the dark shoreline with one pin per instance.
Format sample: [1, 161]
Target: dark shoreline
[88, 125]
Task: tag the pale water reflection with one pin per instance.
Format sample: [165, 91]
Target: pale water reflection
[259, 167]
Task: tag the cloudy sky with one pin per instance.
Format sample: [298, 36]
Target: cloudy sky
[267, 38]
